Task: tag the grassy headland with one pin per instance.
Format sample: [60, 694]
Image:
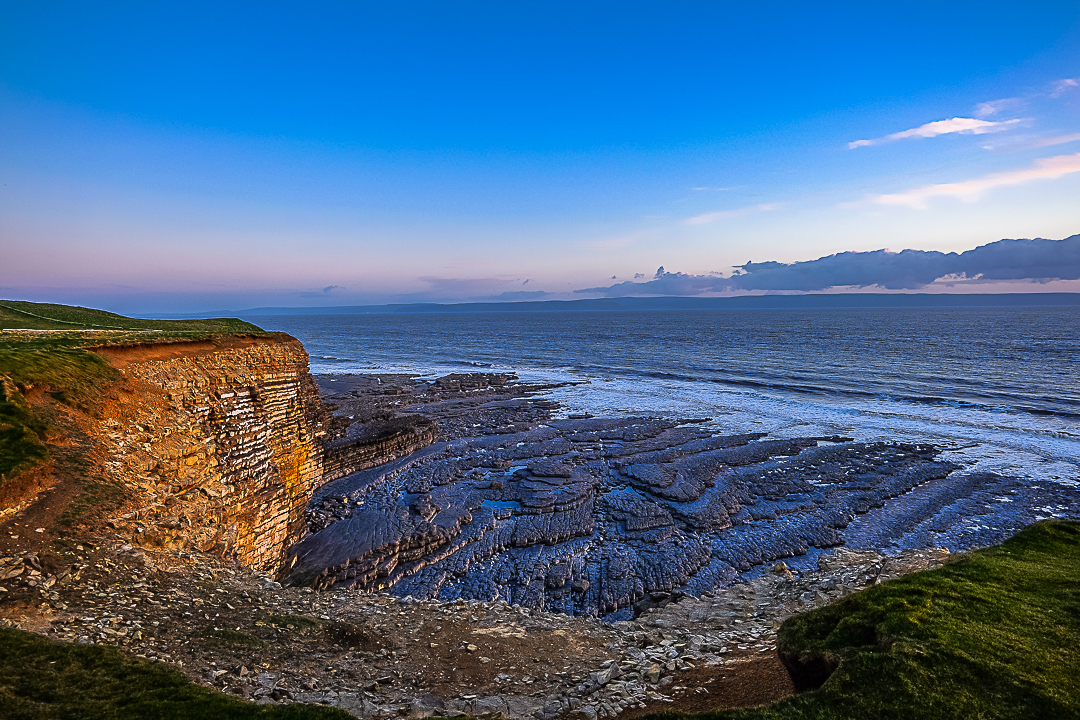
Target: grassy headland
[57, 362]
[994, 634]
[22, 315]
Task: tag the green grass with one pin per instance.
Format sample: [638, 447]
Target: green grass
[59, 363]
[995, 634]
[70, 374]
[48, 316]
[45, 680]
[21, 447]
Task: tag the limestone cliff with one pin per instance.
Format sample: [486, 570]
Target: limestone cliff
[224, 443]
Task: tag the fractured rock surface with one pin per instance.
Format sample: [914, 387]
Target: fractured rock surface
[599, 516]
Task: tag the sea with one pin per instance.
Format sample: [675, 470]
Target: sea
[997, 387]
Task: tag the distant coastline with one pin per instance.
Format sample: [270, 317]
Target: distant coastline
[742, 302]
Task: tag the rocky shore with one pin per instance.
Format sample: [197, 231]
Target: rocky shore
[376, 655]
[598, 516]
[466, 549]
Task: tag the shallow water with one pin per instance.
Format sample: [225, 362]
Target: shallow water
[997, 385]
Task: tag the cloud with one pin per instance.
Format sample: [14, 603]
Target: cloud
[1051, 141]
[971, 190]
[1063, 86]
[517, 296]
[1019, 144]
[965, 126]
[1036, 260]
[320, 293]
[726, 214]
[995, 106]
[677, 284]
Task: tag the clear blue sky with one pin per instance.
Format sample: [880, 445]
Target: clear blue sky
[189, 156]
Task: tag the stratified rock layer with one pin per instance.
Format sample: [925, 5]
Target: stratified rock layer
[225, 441]
[593, 516]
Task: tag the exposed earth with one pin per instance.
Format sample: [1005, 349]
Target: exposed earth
[379, 655]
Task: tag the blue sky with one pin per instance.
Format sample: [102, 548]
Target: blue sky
[227, 155]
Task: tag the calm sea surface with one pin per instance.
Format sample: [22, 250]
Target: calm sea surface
[1002, 385]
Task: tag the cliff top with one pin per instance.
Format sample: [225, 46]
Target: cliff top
[46, 346]
[22, 315]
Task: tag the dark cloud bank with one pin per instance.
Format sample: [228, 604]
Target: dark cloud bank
[1037, 260]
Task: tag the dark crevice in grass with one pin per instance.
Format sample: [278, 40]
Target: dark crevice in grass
[96, 495]
[45, 680]
[21, 433]
[228, 638]
[298, 623]
[994, 634]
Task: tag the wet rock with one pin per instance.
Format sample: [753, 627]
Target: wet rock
[596, 516]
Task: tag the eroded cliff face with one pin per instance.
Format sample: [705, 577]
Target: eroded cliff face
[221, 445]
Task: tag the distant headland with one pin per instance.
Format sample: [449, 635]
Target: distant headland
[817, 301]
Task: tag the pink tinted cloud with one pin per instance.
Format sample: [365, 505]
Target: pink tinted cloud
[965, 126]
[971, 190]
[710, 217]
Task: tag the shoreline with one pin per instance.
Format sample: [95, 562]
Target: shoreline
[377, 654]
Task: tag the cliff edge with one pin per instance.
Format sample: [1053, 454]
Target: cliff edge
[227, 441]
[211, 444]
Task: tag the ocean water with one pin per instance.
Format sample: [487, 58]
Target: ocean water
[999, 387]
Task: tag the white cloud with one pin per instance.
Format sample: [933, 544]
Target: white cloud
[725, 214]
[995, 106]
[1056, 140]
[966, 126]
[1035, 144]
[1063, 86]
[971, 190]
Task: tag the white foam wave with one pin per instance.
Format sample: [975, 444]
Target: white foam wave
[1042, 448]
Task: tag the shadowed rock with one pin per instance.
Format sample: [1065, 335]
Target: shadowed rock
[596, 516]
[587, 516]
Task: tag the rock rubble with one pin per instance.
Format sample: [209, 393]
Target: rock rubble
[382, 656]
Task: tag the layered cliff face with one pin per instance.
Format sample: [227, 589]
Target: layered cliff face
[224, 442]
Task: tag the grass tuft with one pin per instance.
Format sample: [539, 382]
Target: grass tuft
[230, 638]
[45, 680]
[993, 635]
[21, 432]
